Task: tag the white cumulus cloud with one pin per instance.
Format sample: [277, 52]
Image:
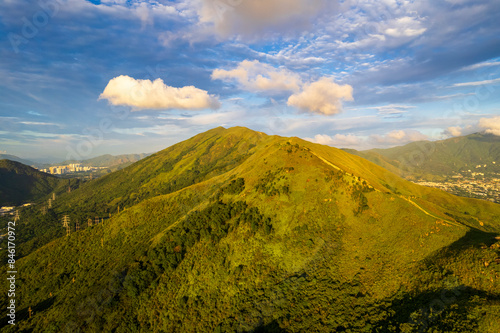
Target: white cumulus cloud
[256, 76]
[323, 97]
[453, 131]
[490, 125]
[147, 94]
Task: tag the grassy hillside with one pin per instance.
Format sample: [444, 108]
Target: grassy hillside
[237, 231]
[426, 159]
[20, 183]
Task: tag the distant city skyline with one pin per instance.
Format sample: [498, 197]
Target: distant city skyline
[86, 78]
[68, 168]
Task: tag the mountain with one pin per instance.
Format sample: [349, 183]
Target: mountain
[15, 159]
[20, 183]
[237, 231]
[438, 159]
[108, 160]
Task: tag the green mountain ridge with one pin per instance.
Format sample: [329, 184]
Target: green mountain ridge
[437, 159]
[237, 231]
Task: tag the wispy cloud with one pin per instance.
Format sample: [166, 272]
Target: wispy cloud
[37, 123]
[452, 96]
[256, 76]
[400, 137]
[392, 110]
[356, 141]
[481, 65]
[338, 140]
[476, 83]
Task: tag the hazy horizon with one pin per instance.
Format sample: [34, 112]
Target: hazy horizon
[53, 159]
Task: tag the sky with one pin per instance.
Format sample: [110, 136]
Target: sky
[80, 78]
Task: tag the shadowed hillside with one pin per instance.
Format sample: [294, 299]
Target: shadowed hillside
[20, 183]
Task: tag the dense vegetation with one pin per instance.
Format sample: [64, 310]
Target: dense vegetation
[236, 231]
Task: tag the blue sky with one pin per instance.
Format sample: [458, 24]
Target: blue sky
[85, 78]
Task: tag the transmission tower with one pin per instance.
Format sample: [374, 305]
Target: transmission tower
[16, 217]
[54, 196]
[96, 220]
[44, 210]
[66, 221]
[50, 203]
[77, 225]
[89, 222]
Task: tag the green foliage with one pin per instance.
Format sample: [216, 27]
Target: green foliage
[274, 182]
[236, 186]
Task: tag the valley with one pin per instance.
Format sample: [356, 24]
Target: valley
[485, 188]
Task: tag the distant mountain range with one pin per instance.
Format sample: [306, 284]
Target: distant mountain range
[107, 160]
[432, 160]
[15, 159]
[237, 231]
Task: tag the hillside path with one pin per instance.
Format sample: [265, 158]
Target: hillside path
[432, 215]
[321, 158]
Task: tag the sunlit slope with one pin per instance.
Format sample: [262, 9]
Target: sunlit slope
[466, 211]
[296, 237]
